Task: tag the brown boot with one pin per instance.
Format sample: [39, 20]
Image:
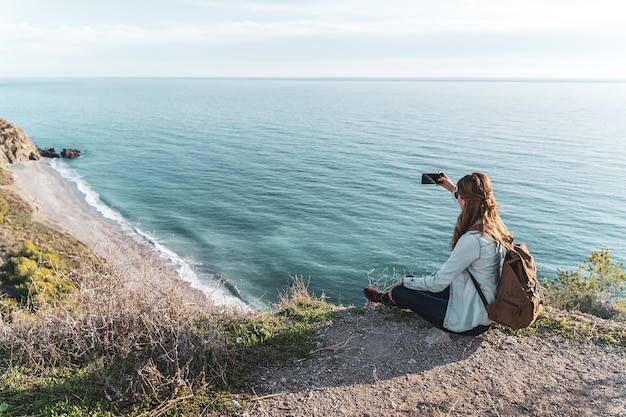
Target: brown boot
[375, 296]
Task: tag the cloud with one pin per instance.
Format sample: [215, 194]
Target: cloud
[249, 21]
[421, 33]
[450, 15]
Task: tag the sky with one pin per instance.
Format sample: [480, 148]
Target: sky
[314, 38]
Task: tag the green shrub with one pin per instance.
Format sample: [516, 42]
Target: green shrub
[29, 250]
[47, 258]
[37, 275]
[597, 287]
[8, 306]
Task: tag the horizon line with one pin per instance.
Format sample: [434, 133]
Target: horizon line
[336, 78]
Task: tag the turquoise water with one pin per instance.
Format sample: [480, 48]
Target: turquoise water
[258, 181]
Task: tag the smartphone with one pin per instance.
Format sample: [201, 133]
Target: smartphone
[431, 178]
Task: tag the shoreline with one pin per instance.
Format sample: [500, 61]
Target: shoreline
[58, 205]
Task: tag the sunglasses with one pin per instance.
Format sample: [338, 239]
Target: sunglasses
[456, 195]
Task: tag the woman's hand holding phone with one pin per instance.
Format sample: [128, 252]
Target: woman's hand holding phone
[445, 182]
[440, 179]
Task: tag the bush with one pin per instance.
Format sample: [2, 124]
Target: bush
[597, 287]
[47, 258]
[37, 276]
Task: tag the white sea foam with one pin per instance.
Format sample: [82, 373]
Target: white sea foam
[91, 197]
[210, 285]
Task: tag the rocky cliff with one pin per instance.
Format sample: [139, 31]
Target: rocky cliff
[15, 145]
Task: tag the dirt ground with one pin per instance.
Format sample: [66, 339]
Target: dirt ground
[372, 362]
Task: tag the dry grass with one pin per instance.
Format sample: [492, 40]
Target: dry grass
[143, 343]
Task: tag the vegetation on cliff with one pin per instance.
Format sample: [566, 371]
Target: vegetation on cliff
[597, 287]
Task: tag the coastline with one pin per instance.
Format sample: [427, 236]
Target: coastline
[58, 205]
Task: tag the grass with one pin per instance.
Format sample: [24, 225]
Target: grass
[264, 340]
[582, 329]
[570, 328]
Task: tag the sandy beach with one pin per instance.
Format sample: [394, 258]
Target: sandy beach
[57, 204]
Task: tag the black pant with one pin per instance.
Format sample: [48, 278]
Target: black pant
[429, 305]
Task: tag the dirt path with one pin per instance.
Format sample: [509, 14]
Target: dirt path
[376, 363]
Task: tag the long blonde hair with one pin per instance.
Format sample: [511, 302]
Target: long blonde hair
[479, 211]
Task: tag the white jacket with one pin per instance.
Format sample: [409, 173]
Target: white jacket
[465, 308]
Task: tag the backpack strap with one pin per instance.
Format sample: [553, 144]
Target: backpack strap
[480, 292]
[476, 227]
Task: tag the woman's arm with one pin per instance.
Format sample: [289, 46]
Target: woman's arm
[412, 282]
[466, 251]
[446, 182]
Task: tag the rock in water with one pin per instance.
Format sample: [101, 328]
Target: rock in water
[49, 153]
[15, 145]
[70, 153]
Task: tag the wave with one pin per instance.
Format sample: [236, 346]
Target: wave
[184, 267]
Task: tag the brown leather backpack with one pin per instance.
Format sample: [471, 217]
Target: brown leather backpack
[518, 298]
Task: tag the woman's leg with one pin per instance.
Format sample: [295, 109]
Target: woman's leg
[431, 306]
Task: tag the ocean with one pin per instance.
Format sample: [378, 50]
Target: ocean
[261, 181]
